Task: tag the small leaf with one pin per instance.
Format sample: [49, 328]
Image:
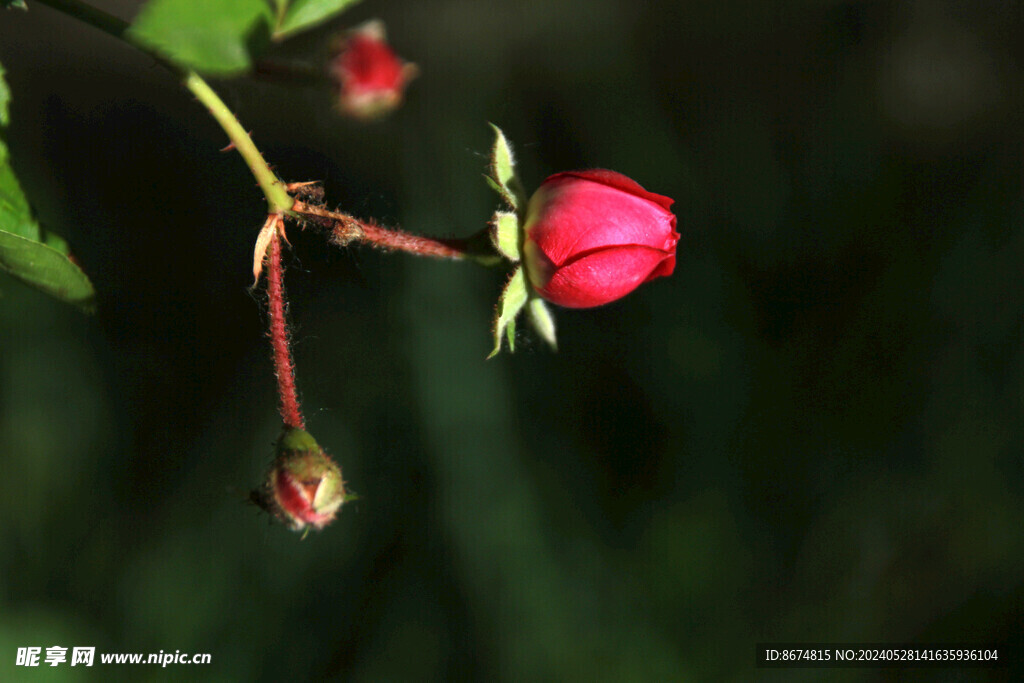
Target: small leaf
[512, 300]
[47, 269]
[305, 14]
[15, 4]
[505, 234]
[212, 37]
[542, 320]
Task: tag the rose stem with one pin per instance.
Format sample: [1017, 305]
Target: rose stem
[284, 368]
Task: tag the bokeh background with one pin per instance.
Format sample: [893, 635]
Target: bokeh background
[812, 431]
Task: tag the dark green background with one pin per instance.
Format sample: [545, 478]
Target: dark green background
[812, 431]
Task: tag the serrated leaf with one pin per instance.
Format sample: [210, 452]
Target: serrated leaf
[212, 37]
[512, 300]
[504, 233]
[542, 320]
[47, 269]
[305, 14]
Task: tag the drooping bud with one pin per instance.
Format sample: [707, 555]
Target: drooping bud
[369, 76]
[304, 488]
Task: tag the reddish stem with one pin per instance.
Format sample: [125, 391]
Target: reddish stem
[414, 244]
[291, 413]
[346, 228]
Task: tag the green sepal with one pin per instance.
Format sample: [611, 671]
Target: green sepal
[503, 165]
[542, 320]
[505, 234]
[512, 300]
[502, 172]
[294, 439]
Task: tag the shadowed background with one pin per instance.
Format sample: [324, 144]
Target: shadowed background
[812, 431]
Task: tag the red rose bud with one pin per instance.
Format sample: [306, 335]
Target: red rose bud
[370, 77]
[304, 487]
[594, 236]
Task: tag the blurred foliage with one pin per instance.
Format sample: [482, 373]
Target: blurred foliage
[810, 432]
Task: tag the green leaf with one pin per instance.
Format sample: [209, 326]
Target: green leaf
[26, 251]
[542, 320]
[305, 14]
[505, 234]
[16, 4]
[5, 99]
[15, 214]
[47, 269]
[215, 37]
[512, 300]
[503, 172]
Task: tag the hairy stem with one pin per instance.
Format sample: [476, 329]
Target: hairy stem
[278, 199]
[346, 229]
[288, 400]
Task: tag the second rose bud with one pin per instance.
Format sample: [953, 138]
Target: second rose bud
[369, 77]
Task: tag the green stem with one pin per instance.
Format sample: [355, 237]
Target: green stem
[278, 199]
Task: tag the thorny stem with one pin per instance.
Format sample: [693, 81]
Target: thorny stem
[288, 400]
[278, 199]
[346, 229]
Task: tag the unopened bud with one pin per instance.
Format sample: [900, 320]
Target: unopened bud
[304, 487]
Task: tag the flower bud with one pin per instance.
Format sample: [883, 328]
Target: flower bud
[304, 486]
[369, 76]
[594, 236]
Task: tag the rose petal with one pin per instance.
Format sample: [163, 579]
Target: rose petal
[573, 215]
[604, 275]
[618, 181]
